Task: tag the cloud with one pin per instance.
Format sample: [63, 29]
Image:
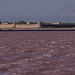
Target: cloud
[68, 10]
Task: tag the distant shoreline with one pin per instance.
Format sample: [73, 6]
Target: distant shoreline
[36, 26]
[37, 29]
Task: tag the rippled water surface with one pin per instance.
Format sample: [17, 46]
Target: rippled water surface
[37, 53]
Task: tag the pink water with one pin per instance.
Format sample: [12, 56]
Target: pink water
[37, 53]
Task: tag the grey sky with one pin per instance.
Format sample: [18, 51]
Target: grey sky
[24, 8]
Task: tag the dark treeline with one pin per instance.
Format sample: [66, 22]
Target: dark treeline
[33, 22]
[21, 22]
[62, 25]
[58, 26]
[0, 22]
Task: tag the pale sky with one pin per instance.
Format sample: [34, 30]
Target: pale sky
[37, 9]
